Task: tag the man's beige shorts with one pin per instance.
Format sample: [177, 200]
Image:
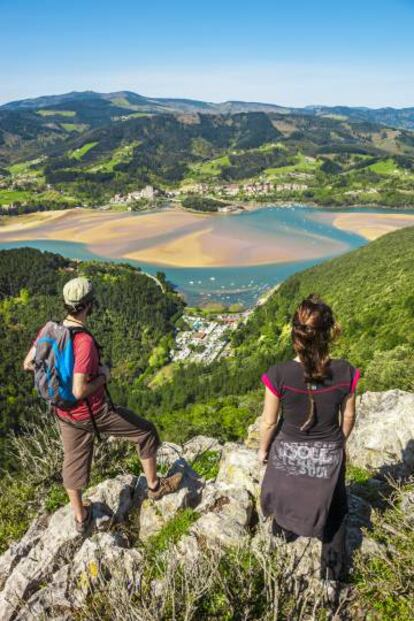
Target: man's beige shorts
[78, 441]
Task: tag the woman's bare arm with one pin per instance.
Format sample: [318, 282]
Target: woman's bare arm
[269, 420]
[348, 415]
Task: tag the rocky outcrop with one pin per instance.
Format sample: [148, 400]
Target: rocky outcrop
[50, 571]
[46, 554]
[383, 437]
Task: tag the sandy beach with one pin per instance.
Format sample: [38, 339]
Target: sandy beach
[171, 238]
[368, 225]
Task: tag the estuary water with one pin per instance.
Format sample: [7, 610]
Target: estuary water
[239, 284]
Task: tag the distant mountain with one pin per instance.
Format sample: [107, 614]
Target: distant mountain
[125, 103]
[392, 117]
[86, 148]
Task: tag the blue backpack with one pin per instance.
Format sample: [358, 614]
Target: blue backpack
[54, 362]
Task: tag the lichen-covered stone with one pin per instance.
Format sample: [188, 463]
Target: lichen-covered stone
[199, 445]
[240, 467]
[383, 436]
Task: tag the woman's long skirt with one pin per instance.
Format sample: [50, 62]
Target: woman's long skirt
[304, 491]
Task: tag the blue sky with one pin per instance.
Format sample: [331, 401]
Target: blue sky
[291, 53]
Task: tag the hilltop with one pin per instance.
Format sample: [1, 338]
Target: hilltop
[88, 148]
[205, 552]
[129, 103]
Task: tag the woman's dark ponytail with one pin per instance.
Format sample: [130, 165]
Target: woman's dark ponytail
[313, 329]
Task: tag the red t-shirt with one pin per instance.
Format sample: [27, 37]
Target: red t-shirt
[86, 361]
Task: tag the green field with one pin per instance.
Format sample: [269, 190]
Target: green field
[67, 113]
[123, 154]
[11, 196]
[211, 168]
[73, 127]
[77, 154]
[303, 164]
[385, 167]
[25, 167]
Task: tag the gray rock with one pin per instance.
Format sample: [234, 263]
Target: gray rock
[253, 434]
[227, 513]
[358, 520]
[199, 445]
[56, 544]
[384, 432]
[69, 587]
[20, 549]
[168, 454]
[240, 467]
[112, 499]
[407, 506]
[153, 515]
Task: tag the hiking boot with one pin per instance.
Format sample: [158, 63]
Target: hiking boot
[83, 527]
[166, 485]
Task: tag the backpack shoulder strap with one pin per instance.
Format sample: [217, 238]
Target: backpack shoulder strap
[73, 330]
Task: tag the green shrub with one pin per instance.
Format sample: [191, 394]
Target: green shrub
[56, 498]
[389, 369]
[384, 582]
[17, 509]
[172, 531]
[207, 464]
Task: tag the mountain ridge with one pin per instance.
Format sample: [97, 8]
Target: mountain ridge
[402, 117]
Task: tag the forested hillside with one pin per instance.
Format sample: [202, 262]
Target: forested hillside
[86, 148]
[372, 292]
[134, 323]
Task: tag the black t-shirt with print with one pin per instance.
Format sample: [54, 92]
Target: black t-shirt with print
[287, 381]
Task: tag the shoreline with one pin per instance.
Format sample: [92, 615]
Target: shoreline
[174, 237]
[170, 238]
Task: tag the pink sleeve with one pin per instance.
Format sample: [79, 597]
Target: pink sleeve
[355, 380]
[266, 381]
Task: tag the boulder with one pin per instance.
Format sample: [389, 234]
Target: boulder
[226, 515]
[153, 515]
[383, 437]
[56, 542]
[103, 553]
[168, 454]
[407, 506]
[240, 467]
[199, 445]
[112, 499]
[252, 440]
[17, 551]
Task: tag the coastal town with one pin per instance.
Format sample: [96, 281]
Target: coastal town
[209, 338]
[206, 339]
[235, 191]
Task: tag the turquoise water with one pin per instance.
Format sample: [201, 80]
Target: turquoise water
[232, 284]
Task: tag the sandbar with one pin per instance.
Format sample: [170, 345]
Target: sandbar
[170, 237]
[368, 225]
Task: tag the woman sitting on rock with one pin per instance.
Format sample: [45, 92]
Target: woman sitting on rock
[314, 395]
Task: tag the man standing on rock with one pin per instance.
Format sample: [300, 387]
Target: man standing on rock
[65, 359]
